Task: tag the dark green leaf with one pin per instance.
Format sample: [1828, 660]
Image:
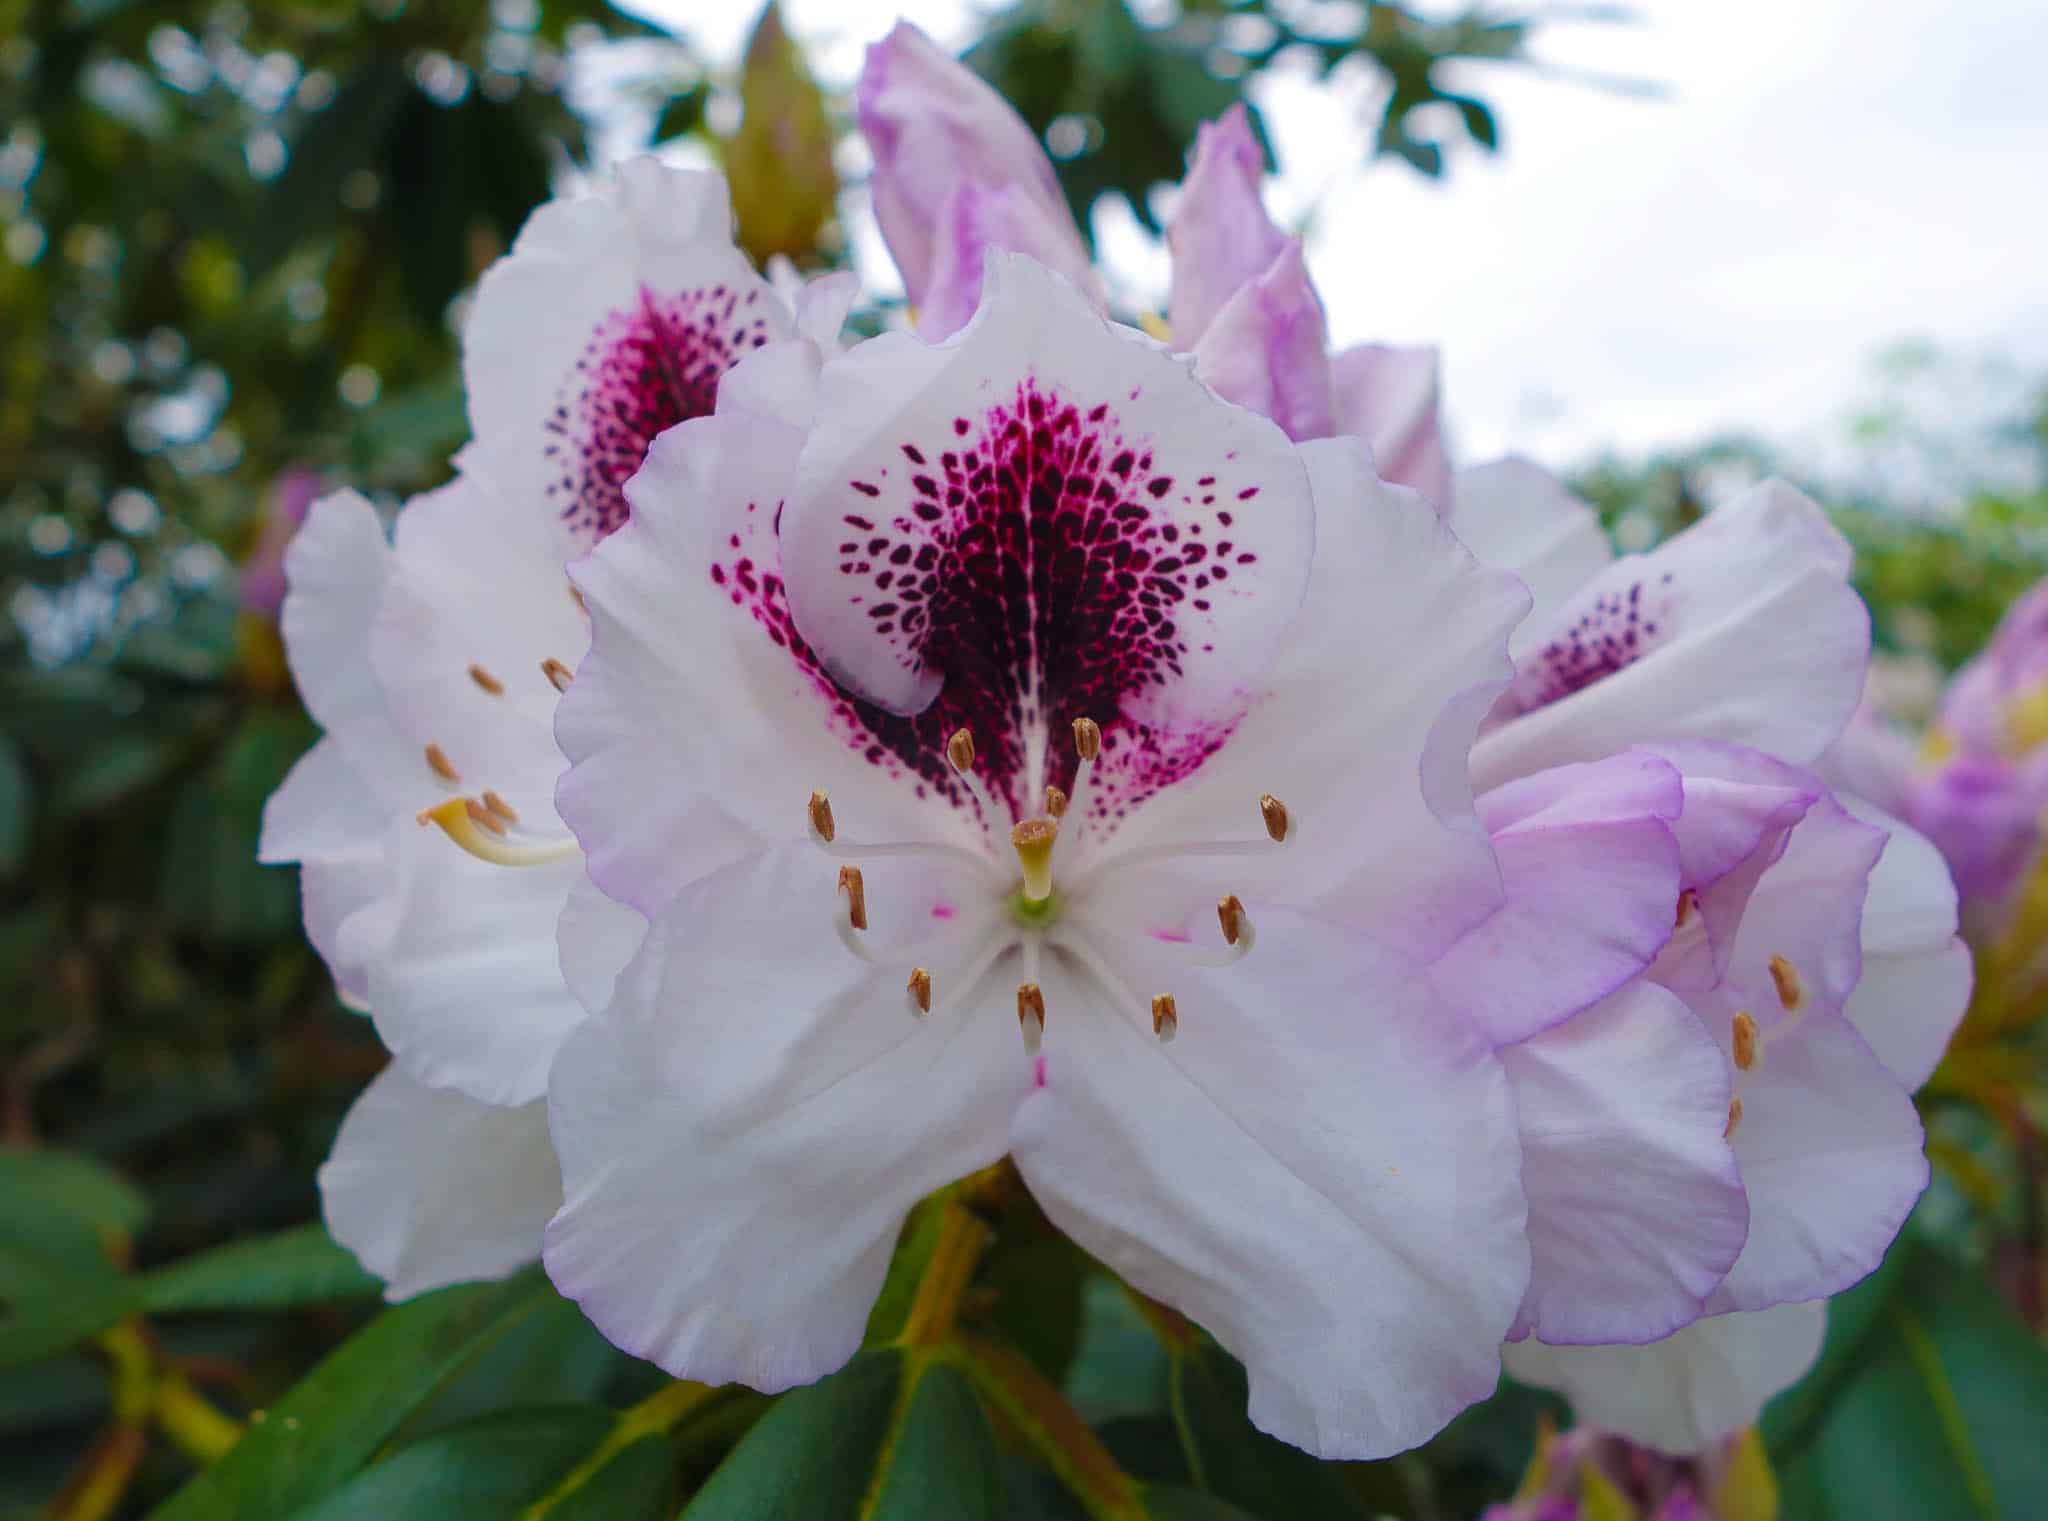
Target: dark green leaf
[1120, 1369]
[58, 1283]
[634, 1483]
[489, 1470]
[1168, 1502]
[326, 1429]
[909, 1434]
[1233, 1459]
[16, 809]
[302, 1266]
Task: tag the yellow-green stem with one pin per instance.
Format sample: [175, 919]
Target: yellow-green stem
[963, 1236]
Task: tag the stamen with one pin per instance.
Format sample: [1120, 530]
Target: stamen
[437, 760]
[960, 755]
[482, 833]
[1278, 825]
[1087, 746]
[920, 991]
[1165, 1017]
[499, 806]
[856, 889]
[1031, 1016]
[1791, 992]
[1230, 914]
[1055, 801]
[576, 596]
[1688, 905]
[822, 827]
[1745, 1040]
[1281, 827]
[1734, 1119]
[1034, 840]
[1087, 738]
[559, 676]
[487, 681]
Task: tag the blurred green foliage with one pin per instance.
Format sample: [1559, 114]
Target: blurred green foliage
[234, 241]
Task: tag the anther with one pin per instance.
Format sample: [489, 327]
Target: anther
[576, 596]
[1165, 1017]
[1230, 914]
[559, 676]
[1688, 905]
[1087, 738]
[482, 833]
[1734, 1119]
[1055, 802]
[437, 758]
[479, 814]
[821, 817]
[960, 750]
[1745, 1040]
[856, 891]
[919, 990]
[487, 681]
[1034, 839]
[1791, 993]
[1278, 825]
[1031, 1016]
[500, 807]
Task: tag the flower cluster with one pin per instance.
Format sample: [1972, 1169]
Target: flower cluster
[777, 779]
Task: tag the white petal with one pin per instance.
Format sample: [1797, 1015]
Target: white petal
[325, 807]
[1636, 1208]
[1517, 516]
[1388, 396]
[469, 993]
[988, 574]
[599, 935]
[1743, 629]
[1689, 1391]
[429, 1188]
[1830, 1151]
[1805, 912]
[1320, 1169]
[1367, 716]
[350, 913]
[612, 319]
[743, 1131]
[1909, 1003]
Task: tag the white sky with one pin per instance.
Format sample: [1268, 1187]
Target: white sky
[1825, 177]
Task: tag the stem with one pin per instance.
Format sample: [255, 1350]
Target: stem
[201, 1432]
[1040, 1414]
[963, 1236]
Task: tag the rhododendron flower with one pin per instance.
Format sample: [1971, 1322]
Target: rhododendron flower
[434, 662]
[957, 172]
[1017, 749]
[1815, 946]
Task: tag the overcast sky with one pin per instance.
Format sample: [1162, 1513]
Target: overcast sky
[1823, 178]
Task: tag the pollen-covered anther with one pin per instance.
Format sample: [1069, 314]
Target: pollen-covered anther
[1745, 1040]
[499, 807]
[1165, 1017]
[1231, 915]
[918, 991]
[1031, 1016]
[822, 826]
[1087, 738]
[559, 675]
[1734, 1119]
[441, 766]
[1279, 822]
[1055, 802]
[1785, 978]
[487, 681]
[481, 832]
[1688, 905]
[960, 750]
[856, 890]
[1033, 840]
[482, 815]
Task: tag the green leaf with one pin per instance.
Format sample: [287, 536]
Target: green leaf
[489, 1470]
[892, 1437]
[1233, 1459]
[302, 1266]
[1935, 1410]
[635, 1482]
[1169, 1502]
[1120, 1369]
[16, 809]
[58, 1283]
[325, 1430]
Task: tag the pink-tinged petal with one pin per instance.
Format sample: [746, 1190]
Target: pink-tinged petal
[338, 568]
[468, 992]
[933, 126]
[1389, 397]
[1220, 236]
[1916, 971]
[1830, 1151]
[1977, 709]
[1742, 630]
[1589, 870]
[744, 1130]
[821, 307]
[1364, 723]
[1264, 350]
[1636, 1208]
[1516, 516]
[1320, 1169]
[324, 807]
[611, 320]
[476, 610]
[1689, 1391]
[976, 218]
[1045, 518]
[1984, 816]
[430, 1188]
[599, 937]
[1875, 758]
